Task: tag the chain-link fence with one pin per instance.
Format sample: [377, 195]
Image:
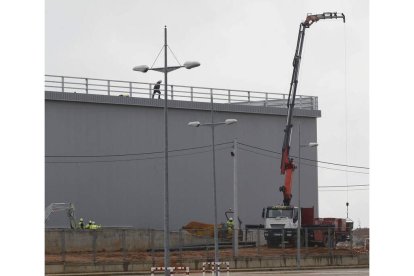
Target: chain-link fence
[136, 245]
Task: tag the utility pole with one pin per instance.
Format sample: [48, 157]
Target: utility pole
[166, 203]
[299, 209]
[235, 202]
[216, 243]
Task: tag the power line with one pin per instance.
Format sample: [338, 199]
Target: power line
[311, 165]
[128, 160]
[133, 154]
[327, 168]
[363, 185]
[186, 149]
[330, 163]
[349, 190]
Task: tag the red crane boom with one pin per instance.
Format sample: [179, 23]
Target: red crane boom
[287, 166]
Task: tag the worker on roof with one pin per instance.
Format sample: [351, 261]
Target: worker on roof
[157, 89]
[81, 224]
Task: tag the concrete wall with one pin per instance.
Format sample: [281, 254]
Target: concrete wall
[128, 190]
[62, 242]
[113, 240]
[240, 264]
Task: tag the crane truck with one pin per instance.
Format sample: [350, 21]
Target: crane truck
[282, 221]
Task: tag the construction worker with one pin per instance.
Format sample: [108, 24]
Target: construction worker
[94, 226]
[157, 89]
[81, 224]
[88, 226]
[230, 226]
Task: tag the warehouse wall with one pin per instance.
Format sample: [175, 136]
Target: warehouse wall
[128, 190]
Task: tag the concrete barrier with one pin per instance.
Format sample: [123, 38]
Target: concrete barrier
[258, 263]
[61, 241]
[112, 240]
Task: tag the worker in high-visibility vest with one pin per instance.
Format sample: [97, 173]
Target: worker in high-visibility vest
[81, 224]
[94, 226]
[88, 226]
[230, 226]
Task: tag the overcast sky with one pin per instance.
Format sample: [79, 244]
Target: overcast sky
[243, 44]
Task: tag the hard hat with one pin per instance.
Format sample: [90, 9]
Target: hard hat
[160, 81]
[81, 219]
[90, 221]
[230, 219]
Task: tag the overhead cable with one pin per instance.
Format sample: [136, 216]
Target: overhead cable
[305, 164]
[132, 154]
[363, 185]
[330, 163]
[133, 159]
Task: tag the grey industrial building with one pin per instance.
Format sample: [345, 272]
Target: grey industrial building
[104, 153]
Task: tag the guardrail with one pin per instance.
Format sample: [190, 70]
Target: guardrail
[66, 84]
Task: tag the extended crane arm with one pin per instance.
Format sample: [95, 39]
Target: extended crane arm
[286, 165]
[312, 18]
[58, 207]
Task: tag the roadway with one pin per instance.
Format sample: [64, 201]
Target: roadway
[325, 272]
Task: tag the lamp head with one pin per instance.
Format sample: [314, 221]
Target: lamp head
[141, 68]
[191, 64]
[230, 121]
[194, 124]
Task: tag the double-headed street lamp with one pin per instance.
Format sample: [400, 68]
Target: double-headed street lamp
[309, 145]
[213, 125]
[165, 70]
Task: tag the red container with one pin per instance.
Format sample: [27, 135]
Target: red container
[338, 223]
[307, 216]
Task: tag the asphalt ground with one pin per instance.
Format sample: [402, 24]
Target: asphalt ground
[324, 272]
[311, 272]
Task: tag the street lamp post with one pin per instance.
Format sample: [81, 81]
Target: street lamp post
[235, 202]
[311, 144]
[213, 125]
[165, 70]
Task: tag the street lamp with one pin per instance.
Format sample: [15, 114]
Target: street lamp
[165, 70]
[213, 125]
[309, 145]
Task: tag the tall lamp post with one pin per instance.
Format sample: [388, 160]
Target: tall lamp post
[166, 69]
[235, 201]
[213, 125]
[309, 145]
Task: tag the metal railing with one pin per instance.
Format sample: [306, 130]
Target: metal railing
[66, 84]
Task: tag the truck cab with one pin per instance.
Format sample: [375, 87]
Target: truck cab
[280, 223]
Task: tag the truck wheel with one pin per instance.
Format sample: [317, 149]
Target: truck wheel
[272, 243]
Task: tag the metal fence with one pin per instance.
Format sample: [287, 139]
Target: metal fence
[66, 84]
[146, 246]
